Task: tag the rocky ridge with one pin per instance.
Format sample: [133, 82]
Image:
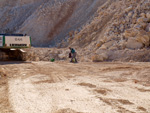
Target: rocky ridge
[46, 21]
[119, 25]
[108, 31]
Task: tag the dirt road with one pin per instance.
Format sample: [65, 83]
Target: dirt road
[60, 87]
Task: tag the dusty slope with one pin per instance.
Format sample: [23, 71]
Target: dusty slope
[118, 25]
[100, 30]
[46, 21]
[41, 87]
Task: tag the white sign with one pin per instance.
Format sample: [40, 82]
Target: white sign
[1, 41]
[15, 41]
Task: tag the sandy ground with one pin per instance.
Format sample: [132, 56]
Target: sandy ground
[60, 87]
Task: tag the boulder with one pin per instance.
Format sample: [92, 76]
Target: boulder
[37, 59]
[133, 44]
[105, 39]
[148, 15]
[142, 19]
[133, 21]
[148, 33]
[137, 26]
[143, 15]
[134, 15]
[147, 20]
[128, 9]
[130, 33]
[108, 44]
[84, 59]
[123, 22]
[143, 25]
[99, 58]
[62, 56]
[130, 14]
[99, 44]
[143, 37]
[113, 48]
[122, 44]
[148, 27]
[140, 26]
[121, 28]
[139, 20]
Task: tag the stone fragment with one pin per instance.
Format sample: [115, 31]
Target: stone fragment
[148, 27]
[143, 15]
[108, 44]
[130, 33]
[99, 58]
[143, 25]
[128, 9]
[141, 20]
[130, 14]
[37, 59]
[133, 44]
[143, 38]
[148, 15]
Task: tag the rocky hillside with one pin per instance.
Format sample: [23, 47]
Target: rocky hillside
[100, 30]
[46, 21]
[118, 26]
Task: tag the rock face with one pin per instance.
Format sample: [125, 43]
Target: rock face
[46, 21]
[118, 25]
[137, 38]
[90, 27]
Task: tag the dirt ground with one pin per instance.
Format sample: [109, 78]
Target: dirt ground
[61, 87]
